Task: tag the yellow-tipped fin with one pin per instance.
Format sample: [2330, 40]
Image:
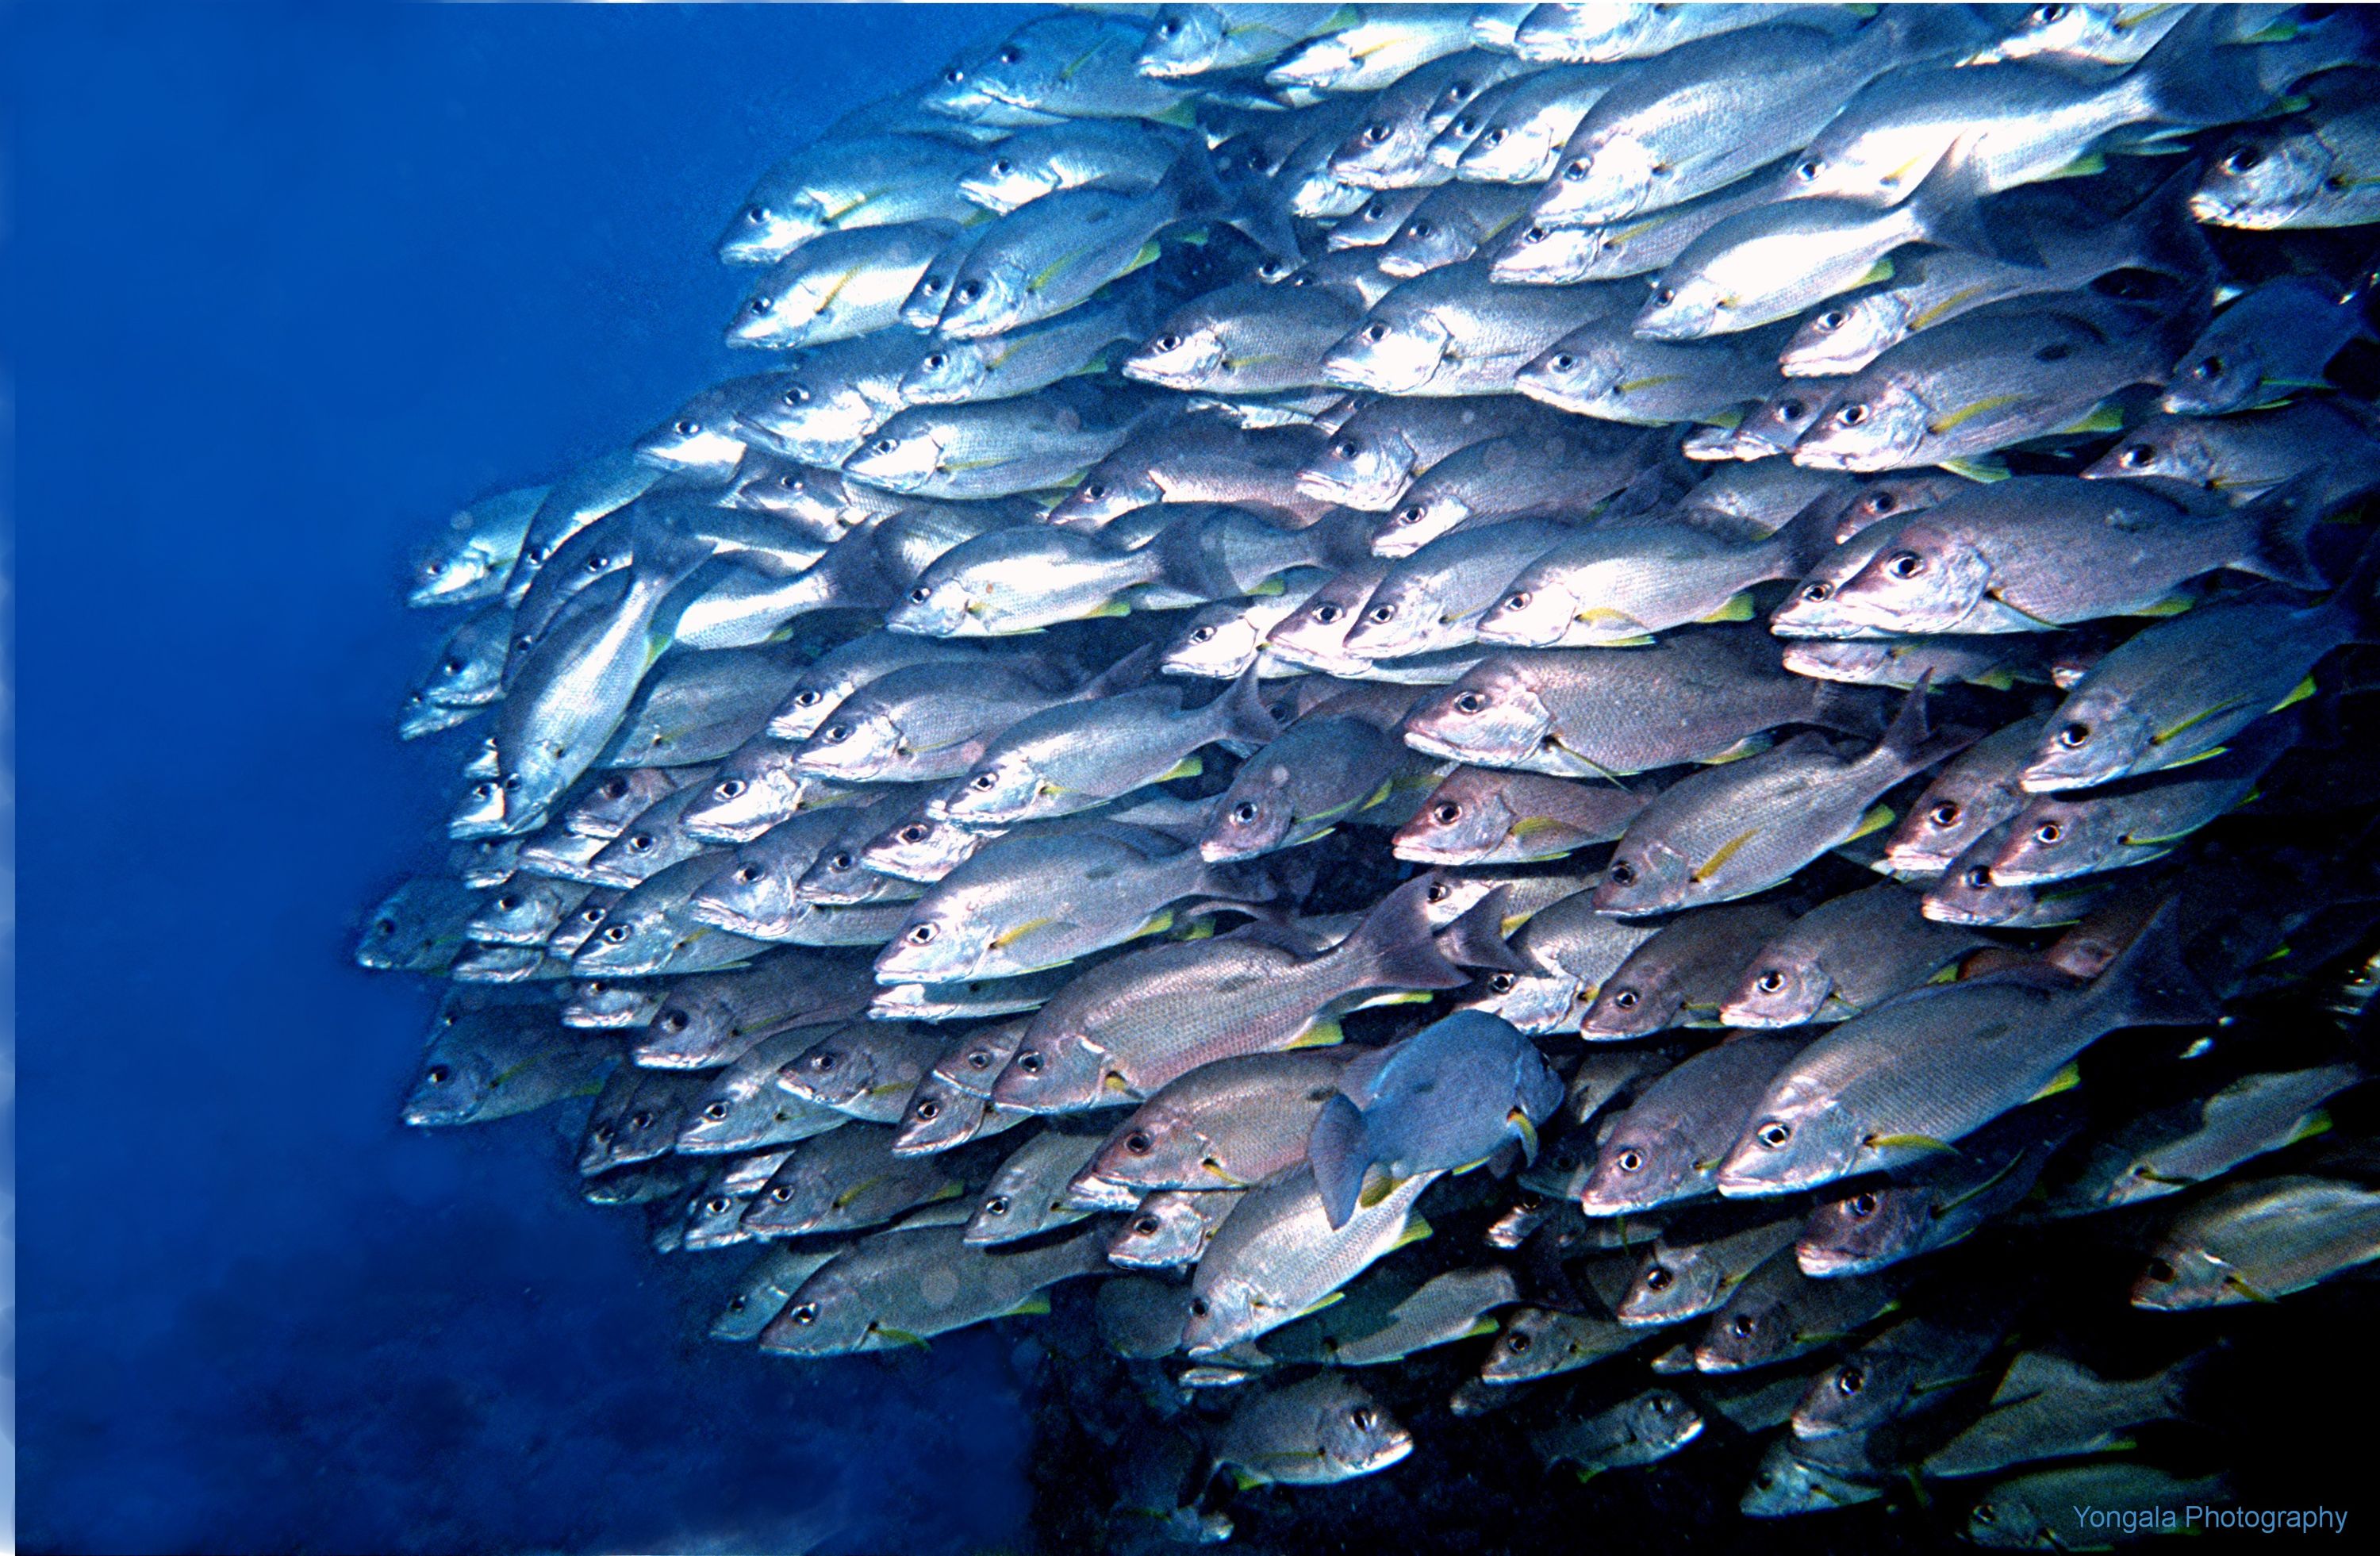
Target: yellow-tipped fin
[2103, 418]
[2315, 1122]
[1416, 1230]
[1909, 1142]
[1007, 938]
[2083, 166]
[1034, 1306]
[1880, 270]
[1377, 1189]
[1116, 607]
[2298, 694]
[1737, 608]
[1188, 767]
[902, 1337]
[1983, 468]
[1877, 819]
[1322, 1034]
[2066, 1080]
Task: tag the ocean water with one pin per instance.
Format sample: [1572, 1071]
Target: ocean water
[286, 284]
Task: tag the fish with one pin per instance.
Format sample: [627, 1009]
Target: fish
[2244, 455]
[1779, 1313]
[652, 928]
[2274, 342]
[1451, 333]
[1375, 454]
[1444, 594]
[1172, 1229]
[1518, 139]
[1372, 49]
[839, 286]
[1230, 1124]
[1967, 797]
[1404, 1321]
[1731, 831]
[1922, 1071]
[845, 1180]
[1919, 1365]
[1323, 773]
[864, 1070]
[995, 448]
[1668, 1145]
[470, 562]
[1253, 338]
[2049, 1406]
[497, 1059]
[635, 1118]
[1539, 1342]
[1028, 1195]
[2165, 1150]
[2259, 1242]
[1480, 815]
[1678, 974]
[1277, 1255]
[1937, 1203]
[741, 1107]
[1185, 40]
[1324, 1430]
[1845, 957]
[2309, 171]
[1578, 471]
[1446, 1099]
[1642, 1430]
[417, 927]
[904, 1287]
[1005, 366]
[714, 1215]
[839, 185]
[767, 1286]
[1696, 1265]
[2029, 1512]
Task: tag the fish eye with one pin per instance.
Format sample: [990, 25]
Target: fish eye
[922, 934]
[675, 1021]
[1575, 171]
[1790, 410]
[1664, 296]
[1363, 1416]
[996, 1206]
[507, 903]
[1808, 169]
[617, 934]
[920, 594]
[1008, 54]
[2073, 735]
[1817, 593]
[601, 1133]
[1147, 1227]
[685, 426]
[885, 446]
[980, 1060]
[746, 874]
[968, 291]
[642, 1119]
[1198, 1306]
[1376, 333]
[2056, 351]
[2048, 832]
[1518, 600]
[2137, 456]
[1851, 415]
[1517, 1342]
[436, 1075]
[1774, 1134]
[1446, 815]
[796, 396]
[1831, 320]
[840, 862]
[452, 667]
[1904, 564]
[716, 1205]
[1849, 1379]
[982, 780]
[2160, 1271]
[807, 698]
[1097, 491]
[1382, 614]
[935, 360]
[641, 843]
[1627, 999]
[1535, 235]
[730, 788]
[756, 215]
[927, 1109]
[782, 1193]
[1500, 983]
[1470, 702]
[1169, 342]
[1413, 515]
[1862, 1205]
[1138, 1142]
[1422, 229]
[1244, 812]
[835, 734]
[1622, 873]
[2242, 160]
[2209, 368]
[805, 1314]
[2050, 14]
[512, 782]
[1658, 1278]
[737, 1303]
[1029, 1062]
[1770, 982]
[1744, 1327]
[1631, 1161]
[1563, 362]
[1202, 635]
[1977, 877]
[915, 832]
[1169, 28]
[761, 304]
[716, 1112]
[1945, 814]
[1438, 891]
[1326, 614]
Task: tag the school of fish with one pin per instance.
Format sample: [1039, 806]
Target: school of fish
[1524, 723]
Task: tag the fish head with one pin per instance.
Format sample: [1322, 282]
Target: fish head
[1401, 617]
[1683, 306]
[1464, 822]
[819, 417]
[1863, 1229]
[1787, 1485]
[1360, 467]
[1536, 1002]
[2175, 450]
[2051, 839]
[1845, 337]
[1053, 1071]
[715, 1219]
[735, 1110]
[948, 606]
[1224, 1311]
[738, 805]
[1538, 612]
[1427, 243]
[457, 565]
[899, 460]
[1004, 181]
[1165, 1233]
[1923, 577]
[1856, 1394]
[1108, 492]
[832, 1072]
[1637, 1168]
[1778, 424]
[2092, 738]
[1179, 357]
[921, 848]
[1358, 1436]
[940, 1115]
[748, 897]
[1391, 354]
[628, 945]
[1792, 1143]
[838, 877]
[520, 913]
[421, 716]
[702, 436]
[1422, 517]
[479, 811]
[1254, 816]
[1608, 178]
[853, 743]
[2180, 1276]
[939, 941]
[930, 293]
[1780, 989]
[453, 1087]
[1491, 714]
[2214, 379]
[1548, 252]
[1158, 1147]
[1874, 426]
[1222, 643]
[757, 1299]
[828, 1316]
[2264, 177]
[1672, 1283]
[988, 296]
[776, 219]
[1646, 875]
[694, 1023]
[774, 314]
[815, 695]
[2080, 33]
[1183, 40]
[1944, 824]
[1001, 788]
[947, 374]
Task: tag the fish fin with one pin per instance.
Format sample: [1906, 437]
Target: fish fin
[1952, 420]
[902, 1336]
[1245, 1479]
[2102, 417]
[1378, 795]
[2279, 522]
[1723, 852]
[1243, 713]
[1416, 1229]
[1322, 1034]
[1188, 767]
[1476, 939]
[1159, 922]
[843, 1200]
[1115, 1082]
[2150, 985]
[948, 1191]
[1113, 607]
[1909, 1142]
[1528, 1127]
[1147, 256]
[1339, 1153]
[1379, 1188]
[1947, 203]
[1750, 746]
[2089, 165]
[2315, 1122]
[1201, 929]
[1313, 1307]
[2067, 1077]
[1032, 1307]
[1737, 608]
[2248, 1291]
[1007, 938]
[1726, 420]
[1981, 467]
[1182, 115]
[1268, 589]
[1878, 818]
[2298, 694]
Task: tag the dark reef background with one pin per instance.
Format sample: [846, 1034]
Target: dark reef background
[286, 283]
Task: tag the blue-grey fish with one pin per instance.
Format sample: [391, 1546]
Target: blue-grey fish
[839, 185]
[2243, 455]
[1322, 775]
[470, 561]
[1452, 331]
[1323, 1430]
[1194, 40]
[2310, 171]
[496, 1059]
[1445, 1099]
[1843, 957]
[1372, 48]
[1935, 1203]
[417, 927]
[2050, 1406]
[2259, 1242]
[1668, 1145]
[2267, 346]
[1481, 815]
[838, 286]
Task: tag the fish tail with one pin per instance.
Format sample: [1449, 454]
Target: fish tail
[1393, 947]
[2149, 985]
[1340, 1153]
[2279, 522]
[1242, 714]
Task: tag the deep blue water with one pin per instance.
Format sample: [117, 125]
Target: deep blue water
[286, 284]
